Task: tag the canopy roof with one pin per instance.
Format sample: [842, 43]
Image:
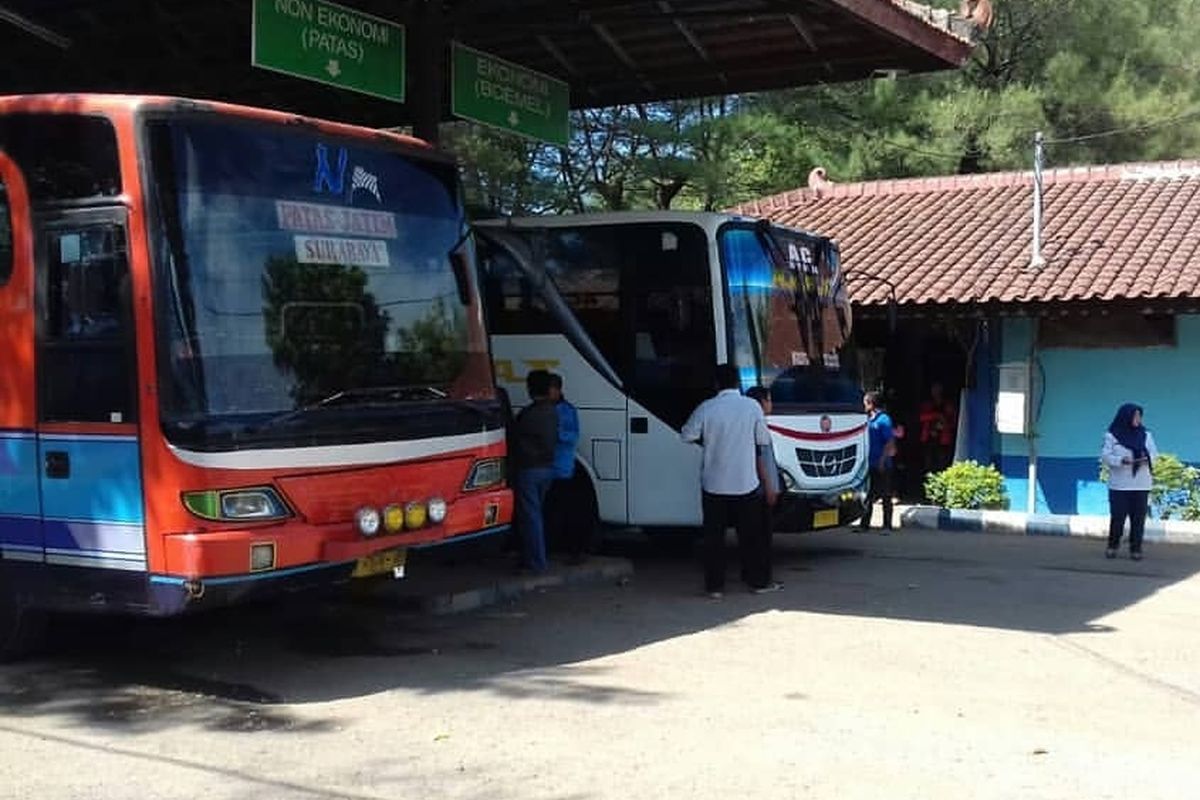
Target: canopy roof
[609, 51]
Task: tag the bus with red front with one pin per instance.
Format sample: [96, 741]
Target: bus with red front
[240, 351]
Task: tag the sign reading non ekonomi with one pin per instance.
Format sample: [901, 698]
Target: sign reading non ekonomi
[504, 95]
[331, 44]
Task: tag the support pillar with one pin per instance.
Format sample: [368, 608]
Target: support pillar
[429, 44]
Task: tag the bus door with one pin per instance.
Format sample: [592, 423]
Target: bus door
[88, 456]
[667, 290]
[20, 499]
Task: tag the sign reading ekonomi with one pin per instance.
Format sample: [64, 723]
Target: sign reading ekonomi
[496, 92]
[331, 44]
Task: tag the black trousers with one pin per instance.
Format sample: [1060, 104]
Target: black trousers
[881, 489]
[744, 512]
[1132, 505]
[569, 522]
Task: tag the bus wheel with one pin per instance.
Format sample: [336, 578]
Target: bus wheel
[21, 627]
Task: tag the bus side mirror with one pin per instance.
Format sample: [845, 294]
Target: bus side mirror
[461, 266]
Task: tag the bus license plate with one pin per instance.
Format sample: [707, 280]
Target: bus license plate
[825, 518]
[383, 562]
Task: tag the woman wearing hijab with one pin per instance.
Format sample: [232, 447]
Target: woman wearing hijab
[1129, 454]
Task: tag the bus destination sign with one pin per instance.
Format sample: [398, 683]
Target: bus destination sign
[331, 44]
[495, 92]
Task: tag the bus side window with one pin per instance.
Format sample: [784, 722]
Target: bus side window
[86, 355]
[511, 304]
[6, 243]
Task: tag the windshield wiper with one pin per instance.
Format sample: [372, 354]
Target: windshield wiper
[375, 393]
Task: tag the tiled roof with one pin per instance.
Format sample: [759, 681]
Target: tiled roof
[1109, 233]
[940, 18]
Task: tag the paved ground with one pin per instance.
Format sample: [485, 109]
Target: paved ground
[922, 665]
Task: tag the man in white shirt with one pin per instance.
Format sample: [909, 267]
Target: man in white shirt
[730, 428]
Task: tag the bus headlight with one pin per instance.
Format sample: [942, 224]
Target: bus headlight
[485, 474]
[437, 510]
[415, 515]
[367, 520]
[393, 518]
[258, 503]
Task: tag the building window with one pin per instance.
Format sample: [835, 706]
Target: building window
[1117, 330]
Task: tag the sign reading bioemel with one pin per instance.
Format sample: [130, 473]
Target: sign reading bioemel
[496, 92]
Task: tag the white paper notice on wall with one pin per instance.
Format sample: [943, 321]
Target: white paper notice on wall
[1012, 399]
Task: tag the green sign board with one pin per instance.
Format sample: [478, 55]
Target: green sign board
[496, 92]
[331, 44]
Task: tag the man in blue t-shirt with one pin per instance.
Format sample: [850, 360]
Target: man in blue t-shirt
[567, 512]
[882, 446]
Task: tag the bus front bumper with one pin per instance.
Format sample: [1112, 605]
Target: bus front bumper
[218, 568]
[797, 512]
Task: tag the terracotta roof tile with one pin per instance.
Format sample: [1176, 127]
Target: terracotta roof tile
[1109, 232]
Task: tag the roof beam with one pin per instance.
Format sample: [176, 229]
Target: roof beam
[691, 38]
[620, 52]
[558, 55]
[809, 39]
[34, 29]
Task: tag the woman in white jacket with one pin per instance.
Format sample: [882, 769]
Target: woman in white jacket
[1129, 454]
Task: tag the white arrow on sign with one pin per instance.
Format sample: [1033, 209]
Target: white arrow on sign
[513, 119]
[333, 68]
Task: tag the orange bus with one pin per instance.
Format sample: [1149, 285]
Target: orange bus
[240, 351]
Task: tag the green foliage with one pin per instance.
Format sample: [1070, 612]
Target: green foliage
[1124, 69]
[967, 484]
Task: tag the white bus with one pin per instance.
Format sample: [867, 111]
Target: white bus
[636, 309]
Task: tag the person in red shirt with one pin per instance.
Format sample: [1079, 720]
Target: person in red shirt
[939, 425]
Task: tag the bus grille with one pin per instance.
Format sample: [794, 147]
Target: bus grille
[827, 463]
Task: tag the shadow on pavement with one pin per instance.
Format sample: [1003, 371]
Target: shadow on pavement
[253, 668]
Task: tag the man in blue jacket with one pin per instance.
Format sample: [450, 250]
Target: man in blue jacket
[565, 511]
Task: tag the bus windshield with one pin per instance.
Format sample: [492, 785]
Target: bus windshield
[306, 287]
[803, 355]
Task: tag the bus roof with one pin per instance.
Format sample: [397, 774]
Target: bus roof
[709, 220]
[119, 104]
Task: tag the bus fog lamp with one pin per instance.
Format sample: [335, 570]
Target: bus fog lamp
[367, 521]
[437, 510]
[415, 515]
[262, 556]
[393, 518]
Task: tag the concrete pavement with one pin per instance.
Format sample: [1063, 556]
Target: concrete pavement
[922, 665]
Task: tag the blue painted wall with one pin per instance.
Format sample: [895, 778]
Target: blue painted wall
[1078, 391]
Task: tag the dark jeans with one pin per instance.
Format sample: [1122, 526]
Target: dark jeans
[744, 512]
[532, 485]
[881, 489]
[570, 523]
[1131, 504]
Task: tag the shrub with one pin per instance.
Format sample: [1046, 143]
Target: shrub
[1175, 493]
[967, 484]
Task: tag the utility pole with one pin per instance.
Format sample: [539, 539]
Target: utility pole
[1036, 261]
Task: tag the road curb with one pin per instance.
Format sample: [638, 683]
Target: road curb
[502, 588]
[1021, 524]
